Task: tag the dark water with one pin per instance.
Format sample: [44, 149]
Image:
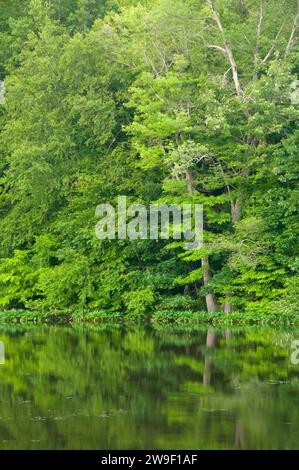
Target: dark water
[88, 389]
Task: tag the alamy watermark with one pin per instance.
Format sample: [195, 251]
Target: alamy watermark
[154, 222]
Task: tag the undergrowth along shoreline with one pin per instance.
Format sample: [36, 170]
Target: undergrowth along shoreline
[175, 318]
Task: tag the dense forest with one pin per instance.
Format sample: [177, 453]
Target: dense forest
[164, 101]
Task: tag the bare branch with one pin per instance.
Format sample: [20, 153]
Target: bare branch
[272, 48]
[292, 40]
[228, 51]
[259, 31]
[225, 75]
[259, 27]
[216, 17]
[151, 64]
[219, 48]
[156, 94]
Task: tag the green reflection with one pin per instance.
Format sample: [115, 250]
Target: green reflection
[75, 388]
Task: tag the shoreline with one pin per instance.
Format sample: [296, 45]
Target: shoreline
[157, 319]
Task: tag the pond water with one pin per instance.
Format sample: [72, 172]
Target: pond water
[76, 388]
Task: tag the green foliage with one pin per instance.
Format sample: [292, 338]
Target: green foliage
[139, 302]
[19, 316]
[288, 302]
[186, 317]
[28, 317]
[17, 280]
[150, 100]
[177, 302]
[96, 317]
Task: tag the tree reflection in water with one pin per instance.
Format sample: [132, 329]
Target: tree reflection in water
[68, 388]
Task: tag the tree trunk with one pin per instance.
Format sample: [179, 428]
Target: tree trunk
[228, 335]
[240, 440]
[190, 182]
[236, 207]
[211, 339]
[208, 366]
[227, 306]
[210, 298]
[235, 211]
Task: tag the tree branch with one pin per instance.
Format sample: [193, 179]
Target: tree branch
[228, 51]
[292, 39]
[259, 31]
[219, 48]
[272, 48]
[225, 75]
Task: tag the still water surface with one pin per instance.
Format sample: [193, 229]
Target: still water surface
[75, 388]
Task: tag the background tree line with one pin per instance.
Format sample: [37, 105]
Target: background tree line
[165, 101]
